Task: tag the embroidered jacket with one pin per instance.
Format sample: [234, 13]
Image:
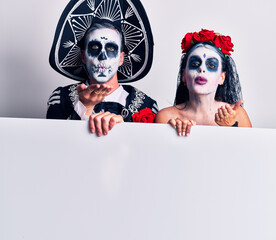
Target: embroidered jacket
[61, 104]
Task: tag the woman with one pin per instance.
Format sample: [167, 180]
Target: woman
[208, 91]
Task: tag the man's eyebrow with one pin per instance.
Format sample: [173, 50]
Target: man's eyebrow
[94, 40]
[98, 41]
[111, 41]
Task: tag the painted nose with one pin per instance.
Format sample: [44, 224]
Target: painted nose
[102, 56]
[201, 69]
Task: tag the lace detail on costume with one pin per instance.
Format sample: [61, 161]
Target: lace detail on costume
[73, 94]
[137, 101]
[124, 113]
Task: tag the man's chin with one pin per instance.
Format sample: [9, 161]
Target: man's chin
[102, 80]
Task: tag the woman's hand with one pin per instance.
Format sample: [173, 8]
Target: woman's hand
[92, 95]
[183, 127]
[227, 115]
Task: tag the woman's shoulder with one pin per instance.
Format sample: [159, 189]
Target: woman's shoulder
[164, 115]
[242, 117]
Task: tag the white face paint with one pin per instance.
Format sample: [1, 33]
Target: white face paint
[102, 54]
[203, 71]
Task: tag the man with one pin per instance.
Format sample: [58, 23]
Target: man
[101, 48]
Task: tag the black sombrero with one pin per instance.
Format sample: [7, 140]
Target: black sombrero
[76, 19]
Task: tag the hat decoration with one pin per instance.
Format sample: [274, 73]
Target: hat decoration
[77, 18]
[220, 41]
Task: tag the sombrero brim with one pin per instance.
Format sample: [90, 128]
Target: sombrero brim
[76, 19]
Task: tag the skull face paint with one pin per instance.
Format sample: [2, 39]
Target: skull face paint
[203, 71]
[102, 54]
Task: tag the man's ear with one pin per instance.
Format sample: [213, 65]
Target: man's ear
[122, 58]
[82, 57]
[222, 78]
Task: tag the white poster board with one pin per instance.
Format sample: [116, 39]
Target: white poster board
[58, 181]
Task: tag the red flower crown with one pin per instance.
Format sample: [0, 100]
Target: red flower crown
[222, 42]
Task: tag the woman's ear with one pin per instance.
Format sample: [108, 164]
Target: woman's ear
[183, 77]
[122, 58]
[222, 78]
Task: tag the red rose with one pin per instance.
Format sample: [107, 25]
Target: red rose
[224, 42]
[205, 35]
[145, 115]
[186, 42]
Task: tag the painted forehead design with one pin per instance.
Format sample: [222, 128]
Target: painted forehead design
[106, 41]
[205, 57]
[205, 52]
[104, 34]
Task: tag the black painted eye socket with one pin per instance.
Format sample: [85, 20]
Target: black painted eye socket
[112, 50]
[212, 64]
[111, 47]
[94, 48]
[195, 64]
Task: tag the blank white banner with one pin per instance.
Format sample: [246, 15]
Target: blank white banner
[142, 181]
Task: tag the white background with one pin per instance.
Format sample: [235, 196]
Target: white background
[27, 30]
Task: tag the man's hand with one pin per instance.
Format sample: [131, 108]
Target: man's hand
[227, 115]
[182, 126]
[101, 123]
[92, 95]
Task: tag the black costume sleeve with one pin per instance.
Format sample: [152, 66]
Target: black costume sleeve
[61, 104]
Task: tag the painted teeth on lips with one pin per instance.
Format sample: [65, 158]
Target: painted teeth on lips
[101, 68]
[201, 80]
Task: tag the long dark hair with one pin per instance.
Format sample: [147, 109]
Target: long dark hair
[229, 91]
